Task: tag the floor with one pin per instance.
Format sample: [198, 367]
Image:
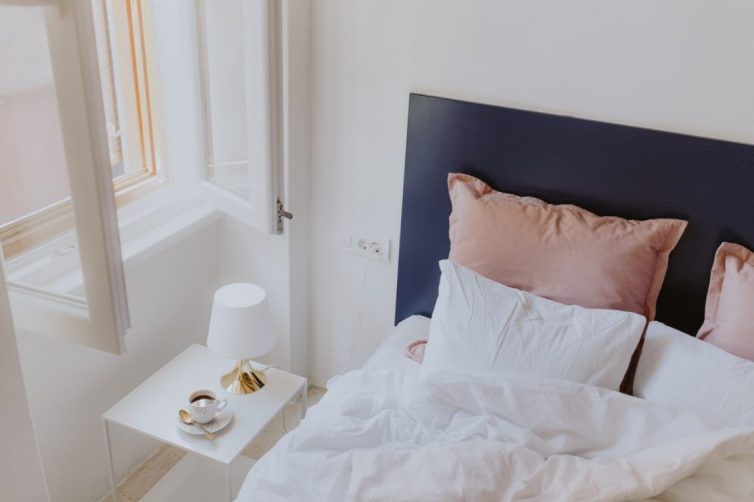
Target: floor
[156, 466]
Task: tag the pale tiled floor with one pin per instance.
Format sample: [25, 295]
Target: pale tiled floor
[151, 471]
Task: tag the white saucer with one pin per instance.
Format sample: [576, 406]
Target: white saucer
[217, 424]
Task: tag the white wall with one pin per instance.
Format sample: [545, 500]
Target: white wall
[69, 386]
[21, 476]
[681, 65]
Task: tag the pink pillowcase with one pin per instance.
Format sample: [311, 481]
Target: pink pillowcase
[729, 313]
[415, 350]
[560, 252]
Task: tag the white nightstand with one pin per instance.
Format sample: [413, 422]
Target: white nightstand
[152, 409]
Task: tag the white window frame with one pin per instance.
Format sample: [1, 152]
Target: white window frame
[134, 122]
[262, 20]
[102, 320]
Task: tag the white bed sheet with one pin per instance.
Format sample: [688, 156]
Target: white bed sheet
[391, 353]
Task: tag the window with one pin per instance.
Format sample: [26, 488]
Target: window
[60, 163]
[80, 135]
[240, 53]
[35, 202]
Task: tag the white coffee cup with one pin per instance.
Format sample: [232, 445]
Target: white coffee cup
[204, 405]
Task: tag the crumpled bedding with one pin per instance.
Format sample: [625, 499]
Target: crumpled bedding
[388, 435]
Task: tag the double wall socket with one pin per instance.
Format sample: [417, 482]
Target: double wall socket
[368, 248]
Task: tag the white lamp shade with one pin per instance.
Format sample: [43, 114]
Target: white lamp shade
[240, 326]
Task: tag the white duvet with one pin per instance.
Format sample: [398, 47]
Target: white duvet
[387, 435]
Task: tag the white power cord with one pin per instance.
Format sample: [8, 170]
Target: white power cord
[373, 248]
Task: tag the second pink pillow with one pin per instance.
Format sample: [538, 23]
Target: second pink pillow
[729, 313]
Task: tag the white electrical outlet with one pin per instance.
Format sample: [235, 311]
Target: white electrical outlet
[368, 248]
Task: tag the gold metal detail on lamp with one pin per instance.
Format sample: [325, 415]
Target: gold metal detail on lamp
[243, 379]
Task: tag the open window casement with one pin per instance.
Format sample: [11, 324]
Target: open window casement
[240, 65]
[95, 314]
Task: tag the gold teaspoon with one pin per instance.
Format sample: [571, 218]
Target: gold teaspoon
[186, 419]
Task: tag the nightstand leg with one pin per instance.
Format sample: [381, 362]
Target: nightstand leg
[304, 395]
[111, 466]
[228, 484]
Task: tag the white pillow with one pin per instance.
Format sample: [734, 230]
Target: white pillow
[479, 325]
[683, 372]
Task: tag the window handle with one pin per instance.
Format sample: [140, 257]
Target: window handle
[282, 214]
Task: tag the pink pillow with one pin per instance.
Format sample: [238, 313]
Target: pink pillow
[560, 252]
[415, 350]
[729, 314]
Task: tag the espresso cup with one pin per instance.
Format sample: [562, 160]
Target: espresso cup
[204, 405]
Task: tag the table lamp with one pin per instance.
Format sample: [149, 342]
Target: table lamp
[240, 328]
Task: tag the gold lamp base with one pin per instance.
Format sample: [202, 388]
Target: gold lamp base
[243, 379]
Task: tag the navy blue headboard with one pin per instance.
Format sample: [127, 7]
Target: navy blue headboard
[608, 169]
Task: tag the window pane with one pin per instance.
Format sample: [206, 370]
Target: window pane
[33, 171]
[32, 160]
[224, 83]
[123, 53]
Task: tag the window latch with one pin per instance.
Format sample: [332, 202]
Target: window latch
[282, 213]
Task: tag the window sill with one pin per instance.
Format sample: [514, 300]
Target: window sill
[147, 227]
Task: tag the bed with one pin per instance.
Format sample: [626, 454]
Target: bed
[387, 432]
